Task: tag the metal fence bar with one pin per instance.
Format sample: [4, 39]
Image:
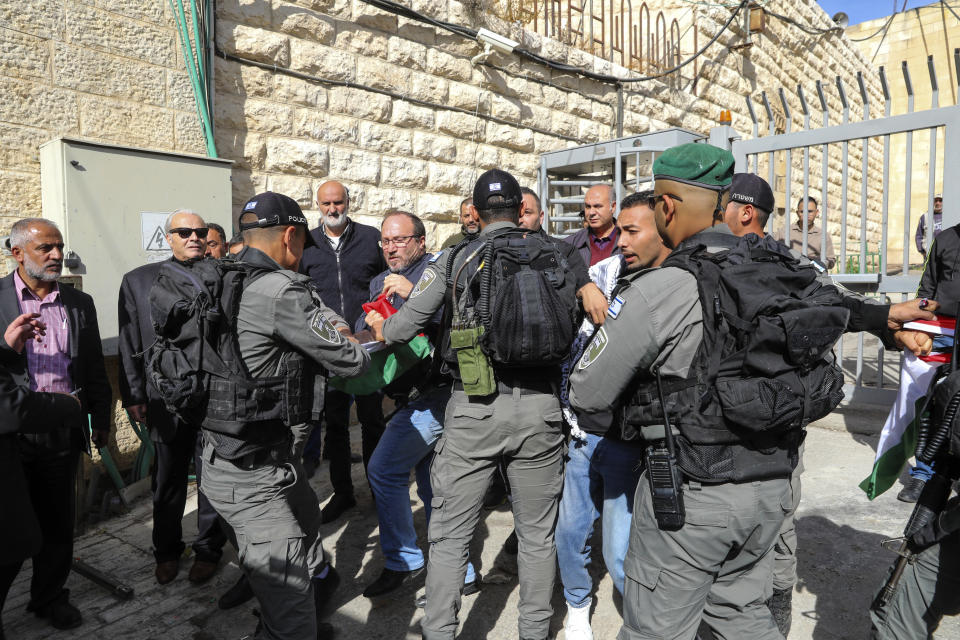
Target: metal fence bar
[770, 159]
[908, 172]
[825, 150]
[932, 178]
[844, 174]
[865, 171]
[806, 164]
[756, 133]
[789, 167]
[885, 206]
[884, 210]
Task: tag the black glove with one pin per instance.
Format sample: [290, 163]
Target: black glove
[947, 522]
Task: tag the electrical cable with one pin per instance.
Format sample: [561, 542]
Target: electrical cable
[886, 29]
[390, 94]
[885, 26]
[950, 9]
[193, 61]
[471, 34]
[814, 31]
[406, 12]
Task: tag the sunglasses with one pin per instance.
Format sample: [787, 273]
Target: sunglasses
[186, 232]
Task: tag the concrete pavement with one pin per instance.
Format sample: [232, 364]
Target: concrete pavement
[840, 565]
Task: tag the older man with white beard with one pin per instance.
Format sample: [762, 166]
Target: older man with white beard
[345, 259]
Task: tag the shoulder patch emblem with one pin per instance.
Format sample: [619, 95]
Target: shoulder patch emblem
[325, 329]
[428, 278]
[594, 349]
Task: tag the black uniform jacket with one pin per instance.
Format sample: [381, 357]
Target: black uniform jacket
[941, 274]
[136, 336]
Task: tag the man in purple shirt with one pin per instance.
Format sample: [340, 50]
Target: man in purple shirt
[598, 240]
[68, 359]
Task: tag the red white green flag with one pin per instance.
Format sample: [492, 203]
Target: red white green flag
[898, 440]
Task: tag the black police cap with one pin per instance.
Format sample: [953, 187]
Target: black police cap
[749, 188]
[496, 182]
[274, 210]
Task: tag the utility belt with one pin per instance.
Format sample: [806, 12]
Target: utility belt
[525, 386]
[256, 459]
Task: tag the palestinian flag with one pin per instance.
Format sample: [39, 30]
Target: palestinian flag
[898, 440]
[940, 326]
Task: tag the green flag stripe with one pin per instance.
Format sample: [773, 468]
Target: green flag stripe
[887, 469]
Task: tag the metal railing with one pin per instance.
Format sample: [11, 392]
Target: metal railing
[865, 213]
[620, 31]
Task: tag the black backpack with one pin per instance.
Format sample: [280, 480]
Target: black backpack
[767, 343]
[763, 370]
[524, 298]
[195, 362]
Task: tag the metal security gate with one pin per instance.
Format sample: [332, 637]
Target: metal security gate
[625, 163]
[866, 174]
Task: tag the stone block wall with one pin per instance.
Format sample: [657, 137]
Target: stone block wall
[291, 134]
[910, 37]
[112, 71]
[105, 70]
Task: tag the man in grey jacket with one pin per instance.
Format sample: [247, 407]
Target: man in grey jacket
[518, 422]
[711, 568]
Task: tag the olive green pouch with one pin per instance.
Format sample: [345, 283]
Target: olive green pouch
[475, 370]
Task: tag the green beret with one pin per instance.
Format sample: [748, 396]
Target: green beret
[697, 164]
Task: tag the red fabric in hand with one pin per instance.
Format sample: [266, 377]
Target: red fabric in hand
[381, 306]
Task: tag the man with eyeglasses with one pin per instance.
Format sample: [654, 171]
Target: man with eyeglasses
[407, 443]
[346, 256]
[175, 441]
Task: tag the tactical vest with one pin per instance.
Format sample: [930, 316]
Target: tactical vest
[196, 363]
[764, 368]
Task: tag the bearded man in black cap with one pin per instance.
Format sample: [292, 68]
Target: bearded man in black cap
[495, 412]
[255, 480]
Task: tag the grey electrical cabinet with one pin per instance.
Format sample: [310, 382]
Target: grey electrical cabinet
[111, 202]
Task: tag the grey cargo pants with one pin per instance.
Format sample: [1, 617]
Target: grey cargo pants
[928, 590]
[523, 426]
[717, 567]
[276, 518]
[785, 550]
